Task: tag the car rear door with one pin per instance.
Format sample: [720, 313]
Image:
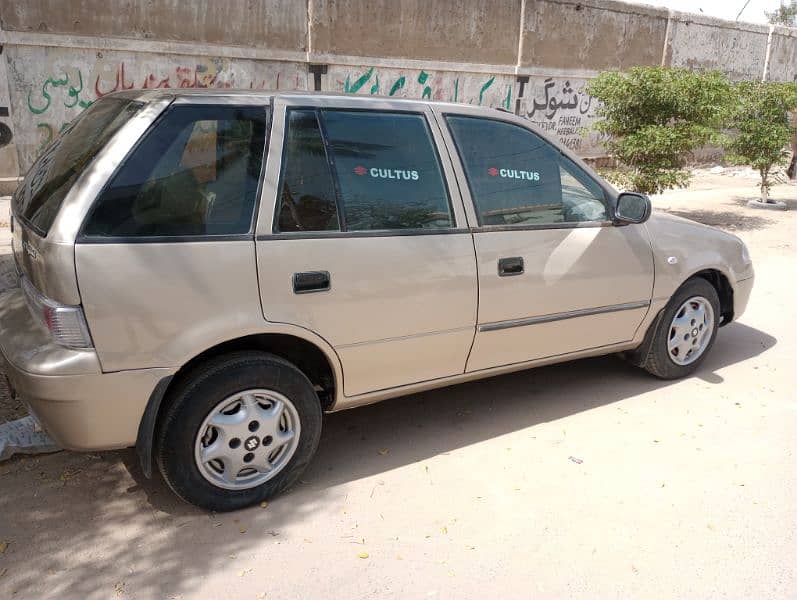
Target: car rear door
[361, 240]
[555, 275]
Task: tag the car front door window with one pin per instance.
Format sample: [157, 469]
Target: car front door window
[518, 179]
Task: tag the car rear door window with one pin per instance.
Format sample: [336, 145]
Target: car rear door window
[307, 194]
[517, 178]
[388, 171]
[196, 172]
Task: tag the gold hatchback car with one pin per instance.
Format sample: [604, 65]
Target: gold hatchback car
[204, 274]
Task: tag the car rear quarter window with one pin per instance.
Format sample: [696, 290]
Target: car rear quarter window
[196, 172]
[517, 178]
[388, 171]
[58, 168]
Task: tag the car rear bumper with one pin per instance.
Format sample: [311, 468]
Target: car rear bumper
[78, 405]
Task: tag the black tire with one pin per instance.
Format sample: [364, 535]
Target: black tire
[199, 392]
[657, 360]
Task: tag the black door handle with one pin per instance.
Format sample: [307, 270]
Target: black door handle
[311, 281]
[510, 266]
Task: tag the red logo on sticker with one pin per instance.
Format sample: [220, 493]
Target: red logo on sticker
[360, 170]
[492, 171]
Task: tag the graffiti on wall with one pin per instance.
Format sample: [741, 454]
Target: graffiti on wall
[67, 89]
[56, 94]
[196, 76]
[47, 93]
[479, 89]
[563, 109]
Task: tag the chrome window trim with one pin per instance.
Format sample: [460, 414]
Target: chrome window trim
[370, 233]
[565, 225]
[572, 314]
[166, 239]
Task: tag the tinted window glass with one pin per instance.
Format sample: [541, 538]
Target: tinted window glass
[582, 197]
[53, 174]
[516, 178]
[195, 173]
[388, 171]
[307, 196]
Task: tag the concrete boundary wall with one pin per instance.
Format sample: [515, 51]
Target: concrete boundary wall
[533, 57]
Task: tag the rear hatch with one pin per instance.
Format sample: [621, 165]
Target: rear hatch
[44, 252]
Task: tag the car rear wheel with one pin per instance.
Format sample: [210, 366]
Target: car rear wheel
[239, 429]
[685, 332]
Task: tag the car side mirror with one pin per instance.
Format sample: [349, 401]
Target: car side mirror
[632, 208]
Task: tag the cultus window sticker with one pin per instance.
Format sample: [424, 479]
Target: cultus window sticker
[377, 173]
[514, 174]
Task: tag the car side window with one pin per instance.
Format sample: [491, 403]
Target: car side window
[517, 178]
[307, 194]
[388, 171]
[196, 172]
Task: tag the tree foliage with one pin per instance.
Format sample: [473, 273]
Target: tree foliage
[760, 127]
[654, 118]
[785, 14]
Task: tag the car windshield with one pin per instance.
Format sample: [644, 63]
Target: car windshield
[59, 166]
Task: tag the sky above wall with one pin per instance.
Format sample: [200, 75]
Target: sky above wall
[724, 9]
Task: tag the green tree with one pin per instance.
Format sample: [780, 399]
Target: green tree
[760, 127]
[654, 118]
[785, 14]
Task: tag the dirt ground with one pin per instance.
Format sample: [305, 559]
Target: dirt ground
[584, 480]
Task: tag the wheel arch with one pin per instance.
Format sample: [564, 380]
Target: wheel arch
[722, 284]
[316, 359]
[718, 279]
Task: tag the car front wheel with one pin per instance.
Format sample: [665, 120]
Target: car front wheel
[239, 429]
[685, 332]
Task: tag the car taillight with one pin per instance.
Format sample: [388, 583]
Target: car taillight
[65, 323]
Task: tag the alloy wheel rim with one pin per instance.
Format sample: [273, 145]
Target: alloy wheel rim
[690, 331]
[247, 439]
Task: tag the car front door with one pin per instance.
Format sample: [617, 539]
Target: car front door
[555, 275]
[361, 241]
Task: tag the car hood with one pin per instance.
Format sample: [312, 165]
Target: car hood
[697, 233]
[660, 216]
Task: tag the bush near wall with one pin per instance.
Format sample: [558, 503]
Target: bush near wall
[759, 117]
[654, 118]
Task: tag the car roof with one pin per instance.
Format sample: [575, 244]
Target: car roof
[153, 94]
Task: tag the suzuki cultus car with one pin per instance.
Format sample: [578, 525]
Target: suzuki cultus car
[204, 274]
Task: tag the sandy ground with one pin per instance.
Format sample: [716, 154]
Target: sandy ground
[585, 480]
